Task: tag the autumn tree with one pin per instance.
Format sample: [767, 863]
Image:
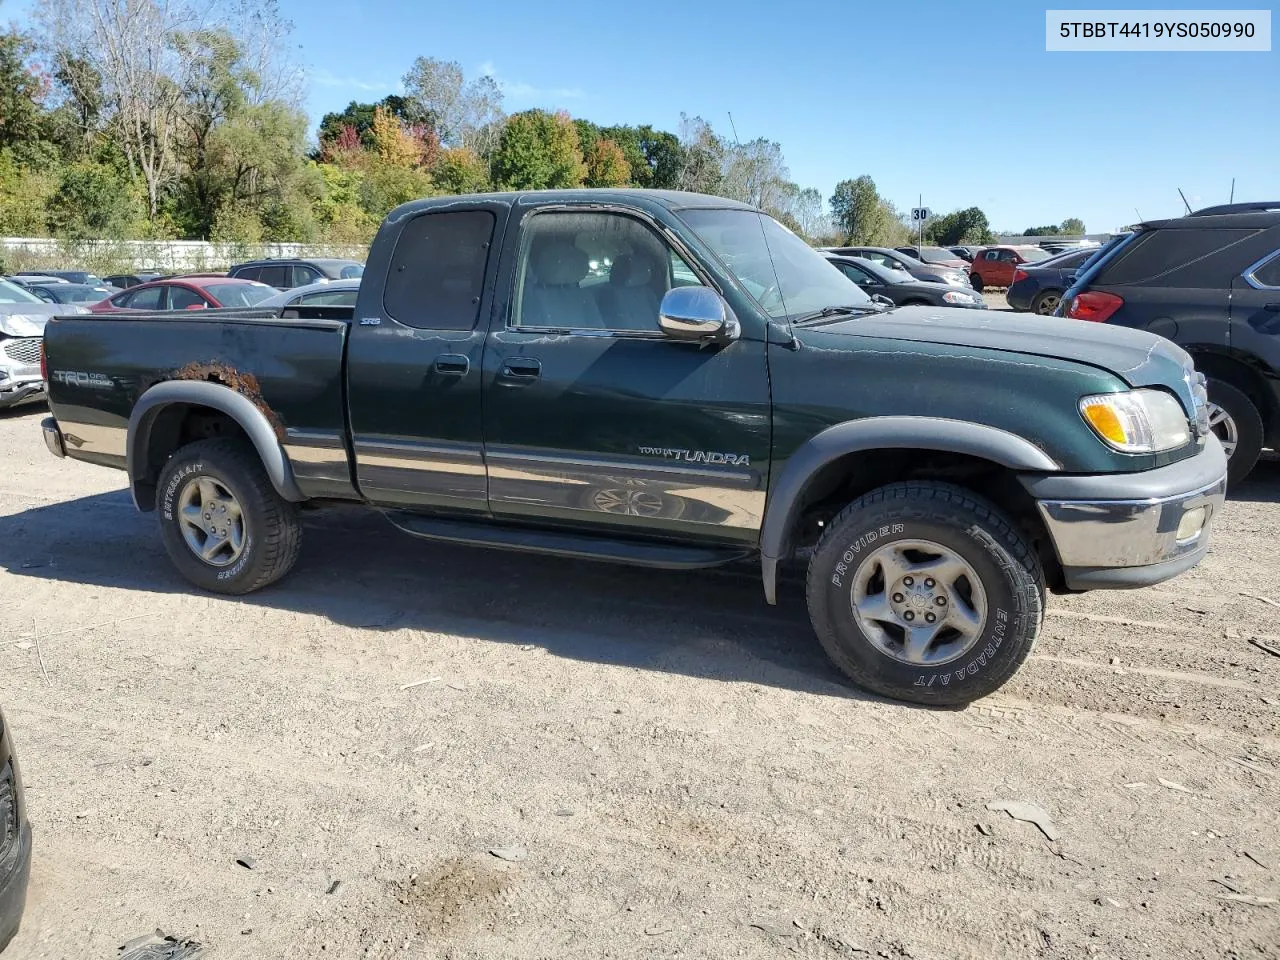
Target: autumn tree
[460, 170]
[606, 165]
[538, 151]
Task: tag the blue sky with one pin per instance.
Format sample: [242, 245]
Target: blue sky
[958, 101]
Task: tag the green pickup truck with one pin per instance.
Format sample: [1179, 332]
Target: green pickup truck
[671, 380]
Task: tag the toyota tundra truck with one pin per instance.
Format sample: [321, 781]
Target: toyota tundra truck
[669, 380]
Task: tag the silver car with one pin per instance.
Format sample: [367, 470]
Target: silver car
[326, 293]
[22, 319]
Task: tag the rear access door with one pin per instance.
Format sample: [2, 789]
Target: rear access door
[414, 359]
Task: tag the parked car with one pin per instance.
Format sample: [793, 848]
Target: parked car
[892, 259]
[966, 252]
[1211, 283]
[331, 293]
[284, 274]
[31, 280]
[1038, 287]
[995, 266]
[69, 292]
[123, 281]
[71, 276]
[189, 293]
[901, 287]
[15, 839]
[22, 320]
[719, 392]
[938, 256]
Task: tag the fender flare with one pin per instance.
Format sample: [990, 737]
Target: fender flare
[217, 397]
[879, 433]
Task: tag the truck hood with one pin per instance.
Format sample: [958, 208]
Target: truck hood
[28, 319]
[1139, 359]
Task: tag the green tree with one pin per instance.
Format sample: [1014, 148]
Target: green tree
[858, 211]
[24, 195]
[961, 226]
[359, 116]
[22, 91]
[1072, 225]
[93, 201]
[461, 170]
[538, 151]
[1050, 231]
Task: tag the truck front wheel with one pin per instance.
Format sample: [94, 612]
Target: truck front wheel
[224, 526]
[925, 592]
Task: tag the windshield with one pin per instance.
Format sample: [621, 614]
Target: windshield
[12, 293]
[239, 294]
[353, 271]
[784, 274]
[936, 255]
[1032, 254]
[77, 294]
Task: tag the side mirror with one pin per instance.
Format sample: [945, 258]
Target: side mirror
[195, 306]
[697, 314]
[1069, 279]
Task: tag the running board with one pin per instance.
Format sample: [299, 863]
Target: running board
[636, 553]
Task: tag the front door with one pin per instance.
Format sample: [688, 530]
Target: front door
[592, 415]
[413, 364]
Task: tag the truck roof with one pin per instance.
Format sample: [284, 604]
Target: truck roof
[671, 199]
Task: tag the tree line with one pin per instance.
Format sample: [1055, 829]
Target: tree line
[136, 119]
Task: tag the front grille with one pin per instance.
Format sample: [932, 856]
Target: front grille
[23, 350]
[8, 813]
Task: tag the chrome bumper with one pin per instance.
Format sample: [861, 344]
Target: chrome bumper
[53, 437]
[1135, 541]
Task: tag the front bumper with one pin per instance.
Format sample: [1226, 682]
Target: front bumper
[14, 392]
[14, 877]
[1118, 531]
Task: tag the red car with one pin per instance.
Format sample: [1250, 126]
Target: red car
[995, 266]
[186, 293]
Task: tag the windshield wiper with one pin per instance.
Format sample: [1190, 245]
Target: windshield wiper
[828, 312]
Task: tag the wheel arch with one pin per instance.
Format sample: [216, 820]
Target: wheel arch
[838, 447]
[153, 435]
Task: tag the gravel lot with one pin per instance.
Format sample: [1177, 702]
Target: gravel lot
[669, 764]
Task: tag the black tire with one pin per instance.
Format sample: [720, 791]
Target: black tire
[1045, 302]
[976, 280]
[1248, 428]
[972, 528]
[272, 533]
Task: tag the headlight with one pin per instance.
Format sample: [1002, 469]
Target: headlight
[955, 296]
[1137, 421]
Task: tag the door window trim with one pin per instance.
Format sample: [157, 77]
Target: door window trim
[1253, 281]
[664, 234]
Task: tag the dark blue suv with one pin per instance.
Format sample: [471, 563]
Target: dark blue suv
[1210, 282]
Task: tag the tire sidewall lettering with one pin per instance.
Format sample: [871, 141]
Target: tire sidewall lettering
[177, 480]
[852, 553]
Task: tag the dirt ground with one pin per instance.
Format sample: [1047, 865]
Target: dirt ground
[668, 765]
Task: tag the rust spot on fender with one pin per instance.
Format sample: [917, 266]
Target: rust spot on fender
[245, 384]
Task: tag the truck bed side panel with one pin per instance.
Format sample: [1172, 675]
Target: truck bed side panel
[290, 369]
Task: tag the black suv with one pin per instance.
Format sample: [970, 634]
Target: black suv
[286, 274]
[1210, 282]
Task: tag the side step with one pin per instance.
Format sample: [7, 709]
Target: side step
[636, 553]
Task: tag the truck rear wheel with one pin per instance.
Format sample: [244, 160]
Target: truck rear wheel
[223, 524]
[925, 592]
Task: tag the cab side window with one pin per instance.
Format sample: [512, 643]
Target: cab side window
[438, 268]
[594, 271]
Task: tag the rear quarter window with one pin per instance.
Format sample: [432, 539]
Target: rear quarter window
[1178, 258]
[247, 273]
[437, 270]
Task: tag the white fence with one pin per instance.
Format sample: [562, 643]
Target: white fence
[27, 253]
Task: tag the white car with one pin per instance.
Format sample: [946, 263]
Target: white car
[327, 293]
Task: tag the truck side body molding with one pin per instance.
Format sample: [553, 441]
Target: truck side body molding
[879, 433]
[217, 397]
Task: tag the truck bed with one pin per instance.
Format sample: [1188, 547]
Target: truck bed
[290, 367]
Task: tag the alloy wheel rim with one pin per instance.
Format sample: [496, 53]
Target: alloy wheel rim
[919, 602]
[212, 521]
[1047, 304]
[1224, 428]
